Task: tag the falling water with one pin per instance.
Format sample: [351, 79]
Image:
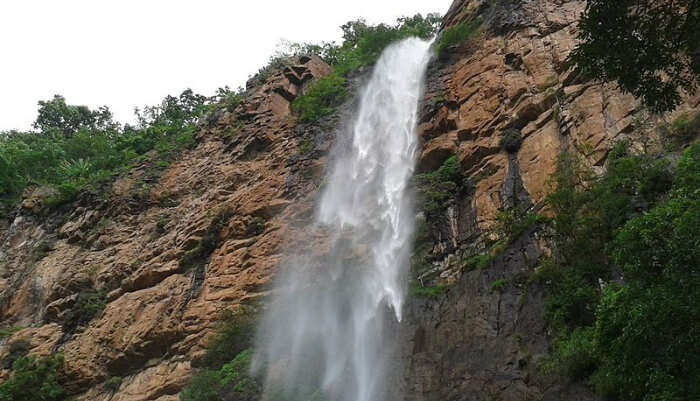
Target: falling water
[326, 335]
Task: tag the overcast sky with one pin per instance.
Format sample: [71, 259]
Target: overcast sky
[126, 53]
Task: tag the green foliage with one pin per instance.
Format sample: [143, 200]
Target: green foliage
[209, 241]
[227, 362]
[498, 285]
[439, 188]
[234, 334]
[321, 98]
[650, 48]
[113, 383]
[56, 116]
[573, 355]
[78, 149]
[637, 339]
[362, 45]
[34, 379]
[8, 331]
[512, 222]
[510, 140]
[456, 35]
[432, 292]
[683, 129]
[87, 306]
[306, 146]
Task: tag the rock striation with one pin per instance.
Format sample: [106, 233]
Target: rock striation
[145, 252]
[127, 251]
[483, 338]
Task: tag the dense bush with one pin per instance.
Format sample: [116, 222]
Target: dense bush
[456, 35]
[510, 140]
[34, 379]
[634, 338]
[438, 187]
[362, 45]
[77, 148]
[234, 334]
[226, 364]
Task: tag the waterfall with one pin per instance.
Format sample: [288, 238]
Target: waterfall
[326, 335]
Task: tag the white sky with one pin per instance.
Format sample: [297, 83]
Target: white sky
[126, 53]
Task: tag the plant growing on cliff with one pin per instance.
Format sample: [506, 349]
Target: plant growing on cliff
[650, 48]
[226, 364]
[653, 307]
[234, 334]
[362, 45]
[456, 36]
[34, 379]
[439, 187]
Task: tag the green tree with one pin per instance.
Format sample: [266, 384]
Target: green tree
[34, 380]
[651, 48]
[55, 115]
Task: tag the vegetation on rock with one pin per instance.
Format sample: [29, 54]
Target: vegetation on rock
[650, 48]
[625, 283]
[362, 45]
[34, 379]
[226, 363]
[76, 148]
[456, 35]
[439, 187]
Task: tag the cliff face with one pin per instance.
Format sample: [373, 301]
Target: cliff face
[172, 249]
[482, 338]
[166, 253]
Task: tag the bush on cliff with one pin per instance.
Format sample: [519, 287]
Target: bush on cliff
[33, 379]
[77, 148]
[362, 45]
[635, 336]
[650, 48]
[226, 363]
[456, 35]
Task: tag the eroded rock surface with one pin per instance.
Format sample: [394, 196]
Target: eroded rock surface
[471, 343]
[482, 338]
[128, 251]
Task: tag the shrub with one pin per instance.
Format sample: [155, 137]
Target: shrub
[34, 379]
[457, 35]
[73, 153]
[632, 339]
[683, 129]
[88, 305]
[234, 334]
[8, 331]
[113, 383]
[362, 45]
[498, 285]
[232, 382]
[321, 98]
[573, 355]
[439, 187]
[433, 292]
[510, 140]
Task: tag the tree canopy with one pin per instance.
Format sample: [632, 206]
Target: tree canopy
[651, 48]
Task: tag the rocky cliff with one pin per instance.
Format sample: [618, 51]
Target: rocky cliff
[481, 338]
[170, 250]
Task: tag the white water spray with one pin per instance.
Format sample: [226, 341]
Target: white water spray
[326, 335]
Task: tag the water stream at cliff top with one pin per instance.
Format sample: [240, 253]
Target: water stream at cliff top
[327, 334]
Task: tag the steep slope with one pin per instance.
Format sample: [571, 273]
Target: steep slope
[131, 286]
[478, 333]
[166, 253]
